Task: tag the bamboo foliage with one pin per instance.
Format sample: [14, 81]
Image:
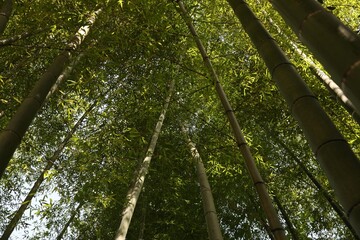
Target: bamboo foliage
[5, 14]
[64, 75]
[50, 163]
[336, 158]
[9, 41]
[212, 222]
[292, 230]
[67, 224]
[12, 135]
[320, 188]
[335, 45]
[132, 49]
[134, 192]
[265, 200]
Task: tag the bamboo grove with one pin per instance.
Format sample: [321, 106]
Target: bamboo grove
[179, 119]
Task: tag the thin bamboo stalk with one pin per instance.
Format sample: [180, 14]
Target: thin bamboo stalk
[264, 197]
[67, 224]
[212, 222]
[338, 209]
[292, 230]
[134, 192]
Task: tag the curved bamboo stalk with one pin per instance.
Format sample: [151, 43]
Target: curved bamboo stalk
[265, 200]
[335, 45]
[5, 14]
[134, 192]
[212, 222]
[12, 135]
[334, 154]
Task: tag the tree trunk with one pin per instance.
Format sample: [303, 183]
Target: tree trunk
[5, 14]
[323, 77]
[73, 215]
[212, 222]
[335, 45]
[50, 163]
[12, 135]
[265, 200]
[134, 192]
[334, 154]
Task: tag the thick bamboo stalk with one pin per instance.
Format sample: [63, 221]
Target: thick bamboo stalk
[5, 14]
[12, 135]
[265, 200]
[212, 222]
[335, 156]
[50, 163]
[323, 77]
[134, 192]
[335, 45]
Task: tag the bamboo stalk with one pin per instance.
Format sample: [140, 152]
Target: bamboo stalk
[212, 222]
[134, 192]
[12, 135]
[334, 154]
[264, 197]
[335, 45]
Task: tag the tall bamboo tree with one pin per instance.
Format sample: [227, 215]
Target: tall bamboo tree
[134, 192]
[265, 200]
[212, 222]
[13, 133]
[334, 154]
[335, 45]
